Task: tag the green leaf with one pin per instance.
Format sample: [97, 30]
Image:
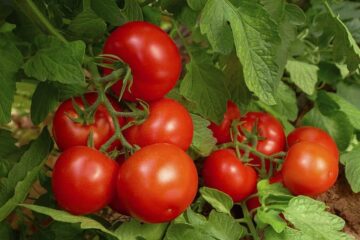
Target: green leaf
[15, 187]
[235, 83]
[66, 231]
[352, 168]
[6, 232]
[255, 36]
[287, 234]
[329, 73]
[87, 26]
[7, 27]
[185, 231]
[132, 11]
[273, 194]
[311, 218]
[109, 11]
[203, 84]
[134, 230]
[351, 111]
[349, 92]
[224, 227]
[58, 62]
[219, 200]
[337, 125]
[43, 101]
[203, 141]
[270, 217]
[62, 216]
[10, 62]
[196, 5]
[345, 47]
[303, 74]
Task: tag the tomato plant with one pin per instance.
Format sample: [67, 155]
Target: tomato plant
[168, 122]
[83, 180]
[158, 182]
[309, 169]
[71, 128]
[86, 84]
[152, 56]
[224, 171]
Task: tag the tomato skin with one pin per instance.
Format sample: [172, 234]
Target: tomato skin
[117, 202]
[152, 55]
[222, 132]
[83, 180]
[168, 122]
[224, 171]
[158, 182]
[309, 169]
[315, 135]
[68, 133]
[270, 129]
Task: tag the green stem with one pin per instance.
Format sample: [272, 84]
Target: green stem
[34, 14]
[249, 222]
[329, 9]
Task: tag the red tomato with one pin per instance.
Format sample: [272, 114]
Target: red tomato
[222, 132]
[168, 122]
[224, 171]
[152, 55]
[68, 133]
[158, 182]
[315, 135]
[269, 129]
[83, 180]
[309, 169]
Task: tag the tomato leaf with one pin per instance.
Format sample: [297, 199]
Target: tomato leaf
[87, 26]
[351, 160]
[185, 231]
[134, 230]
[336, 124]
[132, 11]
[109, 11]
[15, 187]
[287, 234]
[345, 46]
[273, 194]
[311, 218]
[203, 141]
[44, 100]
[303, 74]
[58, 62]
[10, 62]
[61, 216]
[219, 200]
[255, 36]
[270, 217]
[203, 84]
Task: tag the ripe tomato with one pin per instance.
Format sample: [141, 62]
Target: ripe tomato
[152, 56]
[269, 129]
[224, 171]
[309, 169]
[168, 122]
[68, 133]
[222, 132]
[158, 182]
[83, 180]
[315, 135]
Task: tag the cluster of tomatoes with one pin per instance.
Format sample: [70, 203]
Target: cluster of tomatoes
[159, 181]
[310, 166]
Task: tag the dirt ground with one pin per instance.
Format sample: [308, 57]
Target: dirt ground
[344, 203]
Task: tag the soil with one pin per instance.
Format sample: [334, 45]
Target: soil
[343, 202]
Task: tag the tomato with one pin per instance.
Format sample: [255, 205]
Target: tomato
[117, 203]
[222, 132]
[315, 135]
[152, 55]
[83, 180]
[309, 169]
[269, 130]
[158, 182]
[224, 171]
[68, 133]
[168, 122]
